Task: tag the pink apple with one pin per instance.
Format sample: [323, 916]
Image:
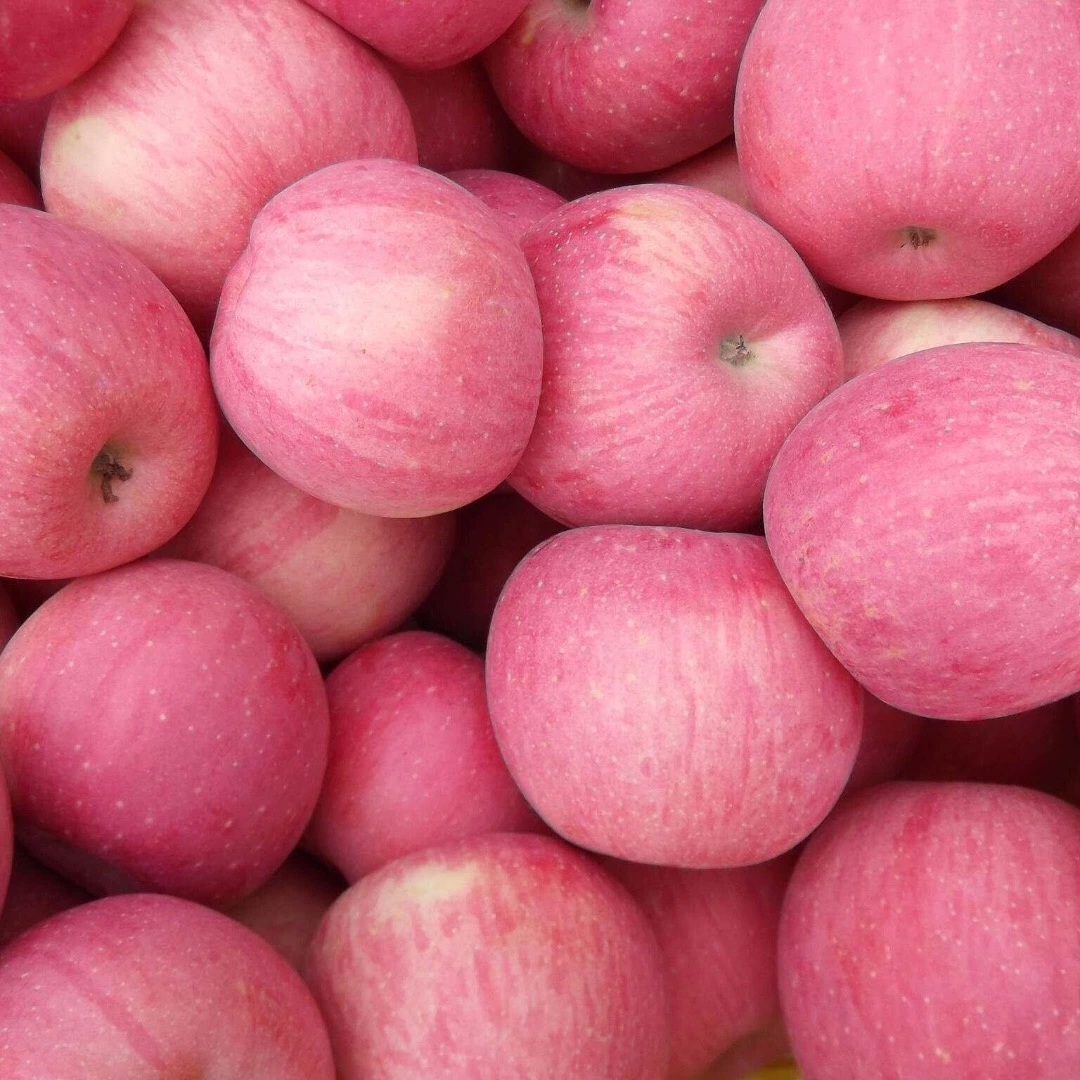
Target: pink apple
[379, 341]
[876, 331]
[287, 909]
[912, 151]
[151, 986]
[889, 739]
[923, 517]
[622, 86]
[162, 727]
[22, 128]
[493, 535]
[458, 120]
[341, 577]
[658, 697]
[930, 931]
[717, 931]
[201, 112]
[1050, 289]
[413, 761]
[716, 170]
[500, 956]
[567, 180]
[683, 340]
[15, 185]
[425, 34]
[109, 430]
[35, 894]
[44, 44]
[518, 201]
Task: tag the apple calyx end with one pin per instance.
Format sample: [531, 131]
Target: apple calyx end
[917, 236]
[109, 467]
[735, 351]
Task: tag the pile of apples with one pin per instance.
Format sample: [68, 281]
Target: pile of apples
[541, 539]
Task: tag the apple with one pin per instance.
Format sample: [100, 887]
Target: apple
[716, 170]
[109, 431]
[151, 986]
[493, 535]
[163, 727]
[22, 128]
[499, 956]
[622, 86]
[201, 112]
[876, 331]
[379, 342]
[567, 180]
[517, 201]
[717, 931]
[1049, 290]
[923, 518]
[341, 577]
[683, 340]
[15, 185]
[930, 931]
[44, 44]
[413, 761]
[658, 697]
[889, 739]
[913, 151]
[34, 894]
[425, 34]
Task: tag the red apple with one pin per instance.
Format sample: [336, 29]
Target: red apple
[34, 894]
[913, 151]
[379, 341]
[9, 616]
[658, 697]
[151, 986]
[22, 128]
[716, 170]
[889, 738]
[924, 518]
[500, 956]
[44, 44]
[516, 200]
[683, 340]
[341, 577]
[622, 86]
[15, 185]
[931, 931]
[201, 112]
[109, 431]
[1050, 289]
[413, 761]
[162, 727]
[876, 331]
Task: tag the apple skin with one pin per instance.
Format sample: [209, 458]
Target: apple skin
[99, 363]
[930, 931]
[658, 697]
[503, 955]
[163, 727]
[906, 150]
[425, 34]
[34, 894]
[44, 44]
[341, 577]
[952, 474]
[15, 185]
[379, 343]
[197, 116]
[651, 411]
[717, 931]
[876, 331]
[150, 986]
[493, 535]
[889, 738]
[1049, 290]
[518, 201]
[716, 170]
[413, 761]
[622, 86]
[22, 129]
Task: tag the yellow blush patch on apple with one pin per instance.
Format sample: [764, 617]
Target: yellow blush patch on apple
[424, 886]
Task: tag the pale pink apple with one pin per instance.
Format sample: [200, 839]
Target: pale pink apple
[931, 931]
[1049, 290]
[413, 761]
[22, 128]
[201, 112]
[379, 342]
[889, 738]
[716, 170]
[425, 34]
[149, 987]
[923, 517]
[492, 536]
[44, 44]
[876, 331]
[658, 697]
[162, 727]
[913, 151]
[341, 577]
[518, 201]
[500, 956]
[109, 428]
[683, 340]
[34, 894]
[15, 185]
[622, 86]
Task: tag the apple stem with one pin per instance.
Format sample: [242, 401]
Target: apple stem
[108, 467]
